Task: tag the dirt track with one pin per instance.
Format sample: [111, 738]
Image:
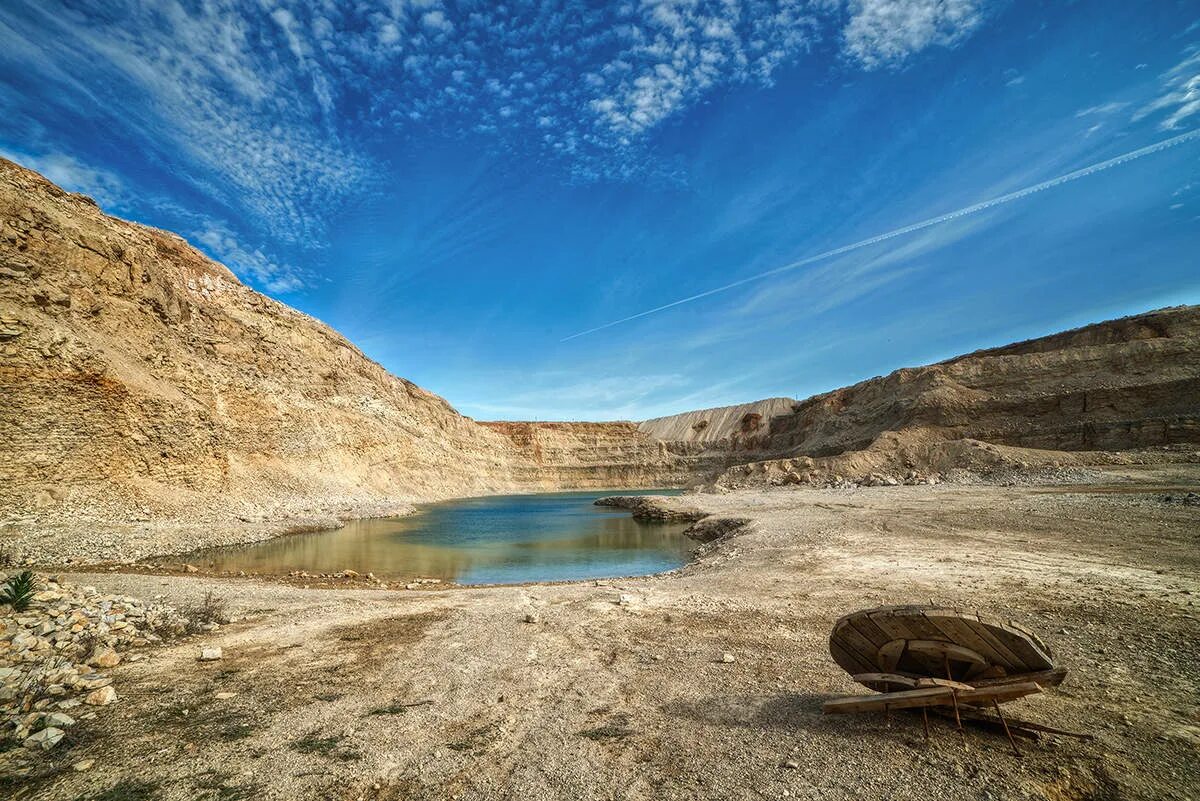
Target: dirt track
[451, 694]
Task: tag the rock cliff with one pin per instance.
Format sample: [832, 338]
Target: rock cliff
[139, 379]
[741, 427]
[141, 382]
[1113, 386]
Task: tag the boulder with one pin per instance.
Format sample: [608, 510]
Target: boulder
[101, 697]
[45, 739]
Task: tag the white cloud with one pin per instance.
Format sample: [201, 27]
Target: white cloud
[1103, 109]
[263, 106]
[1180, 97]
[102, 186]
[436, 21]
[882, 33]
[213, 236]
[224, 246]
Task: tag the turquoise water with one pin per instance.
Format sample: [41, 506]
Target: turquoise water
[494, 540]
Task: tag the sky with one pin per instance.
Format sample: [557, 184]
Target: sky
[474, 192]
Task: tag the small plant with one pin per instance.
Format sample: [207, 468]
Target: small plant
[135, 790]
[312, 744]
[212, 609]
[18, 591]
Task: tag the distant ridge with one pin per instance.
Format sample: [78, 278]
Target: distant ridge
[744, 422]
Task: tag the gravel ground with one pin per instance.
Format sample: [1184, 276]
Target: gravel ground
[620, 689]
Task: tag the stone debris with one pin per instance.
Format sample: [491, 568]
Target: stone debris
[210, 654]
[101, 697]
[52, 654]
[45, 739]
[727, 658]
[84, 764]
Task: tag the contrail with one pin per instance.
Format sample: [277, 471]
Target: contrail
[908, 229]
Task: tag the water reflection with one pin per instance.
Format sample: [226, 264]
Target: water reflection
[501, 539]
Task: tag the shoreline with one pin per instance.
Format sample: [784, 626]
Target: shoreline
[57, 544]
[617, 681]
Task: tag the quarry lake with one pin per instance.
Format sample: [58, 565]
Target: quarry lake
[493, 540]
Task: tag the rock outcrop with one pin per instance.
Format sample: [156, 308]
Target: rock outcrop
[54, 651]
[743, 427]
[139, 380]
[142, 385]
[1114, 386]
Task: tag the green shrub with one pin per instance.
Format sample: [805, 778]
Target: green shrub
[18, 591]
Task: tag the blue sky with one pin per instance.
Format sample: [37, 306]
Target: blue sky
[458, 187]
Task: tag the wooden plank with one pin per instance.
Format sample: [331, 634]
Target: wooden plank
[904, 699]
[914, 621]
[1020, 644]
[849, 638]
[981, 696]
[1037, 641]
[957, 685]
[889, 655]
[864, 626]
[958, 630]
[894, 625]
[936, 649]
[1011, 661]
[929, 696]
[888, 680]
[1043, 678]
[849, 661]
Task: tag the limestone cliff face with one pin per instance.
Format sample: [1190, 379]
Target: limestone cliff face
[141, 380]
[609, 455]
[743, 427]
[138, 377]
[1121, 384]
[1114, 386]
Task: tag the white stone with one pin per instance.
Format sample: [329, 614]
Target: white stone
[59, 720]
[210, 654]
[101, 697]
[45, 739]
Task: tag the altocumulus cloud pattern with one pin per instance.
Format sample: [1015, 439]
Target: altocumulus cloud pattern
[278, 98]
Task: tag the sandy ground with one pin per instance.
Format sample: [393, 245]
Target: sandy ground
[365, 694]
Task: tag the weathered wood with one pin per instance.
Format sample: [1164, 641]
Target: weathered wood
[1037, 641]
[1004, 655]
[872, 680]
[905, 699]
[934, 682]
[888, 655]
[955, 629]
[1044, 678]
[851, 640]
[1025, 645]
[918, 642]
[851, 661]
[982, 696]
[911, 619]
[936, 649]
[869, 629]
[929, 696]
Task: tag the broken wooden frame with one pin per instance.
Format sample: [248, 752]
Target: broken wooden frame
[926, 657]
